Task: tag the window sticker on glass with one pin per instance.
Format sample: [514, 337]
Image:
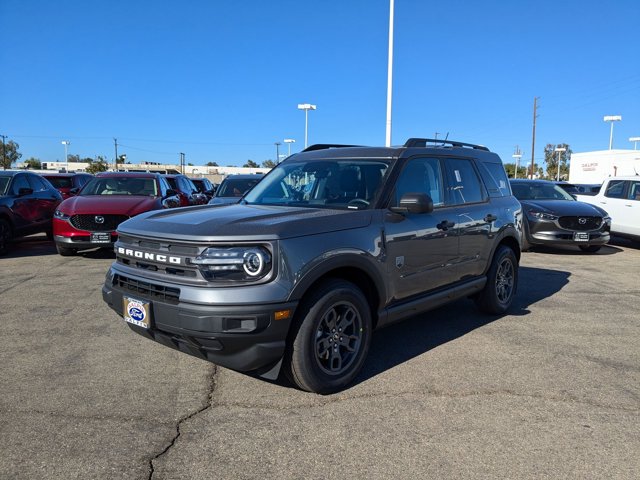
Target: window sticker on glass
[458, 177]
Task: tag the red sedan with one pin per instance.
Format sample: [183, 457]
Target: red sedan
[90, 219]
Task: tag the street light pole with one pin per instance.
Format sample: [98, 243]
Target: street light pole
[289, 141]
[66, 143]
[560, 150]
[611, 119]
[306, 107]
[4, 153]
[635, 141]
[277, 144]
[517, 155]
[389, 75]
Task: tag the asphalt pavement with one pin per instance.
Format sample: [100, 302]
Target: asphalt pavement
[551, 390]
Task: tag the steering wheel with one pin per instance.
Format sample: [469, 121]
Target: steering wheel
[358, 201]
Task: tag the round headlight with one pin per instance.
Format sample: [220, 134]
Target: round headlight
[254, 261]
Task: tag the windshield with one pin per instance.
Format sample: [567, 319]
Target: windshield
[236, 187]
[348, 183]
[4, 183]
[539, 191]
[120, 186]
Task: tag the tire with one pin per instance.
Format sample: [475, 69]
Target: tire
[330, 338]
[502, 283]
[5, 236]
[590, 248]
[66, 251]
[526, 244]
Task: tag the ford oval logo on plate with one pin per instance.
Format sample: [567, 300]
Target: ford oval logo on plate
[136, 312]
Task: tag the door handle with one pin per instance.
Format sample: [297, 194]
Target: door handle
[490, 218]
[445, 225]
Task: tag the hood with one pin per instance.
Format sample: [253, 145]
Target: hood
[563, 208]
[129, 205]
[243, 222]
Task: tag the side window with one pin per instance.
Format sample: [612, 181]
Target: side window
[164, 186]
[19, 181]
[37, 184]
[464, 183]
[615, 189]
[634, 191]
[497, 178]
[421, 175]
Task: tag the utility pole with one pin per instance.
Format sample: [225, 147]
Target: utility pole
[4, 153]
[387, 142]
[533, 141]
[182, 162]
[277, 144]
[115, 161]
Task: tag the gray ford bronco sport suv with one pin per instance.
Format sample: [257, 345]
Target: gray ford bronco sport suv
[333, 243]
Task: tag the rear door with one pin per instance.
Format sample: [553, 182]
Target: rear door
[422, 249]
[629, 219]
[475, 216]
[45, 200]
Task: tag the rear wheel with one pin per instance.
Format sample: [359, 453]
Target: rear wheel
[502, 282]
[66, 251]
[590, 248]
[331, 338]
[5, 236]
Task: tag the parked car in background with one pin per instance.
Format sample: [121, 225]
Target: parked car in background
[188, 192]
[89, 219]
[205, 186]
[27, 203]
[553, 217]
[620, 196]
[68, 184]
[233, 188]
[570, 188]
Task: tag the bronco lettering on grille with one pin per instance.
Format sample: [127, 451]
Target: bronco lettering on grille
[154, 257]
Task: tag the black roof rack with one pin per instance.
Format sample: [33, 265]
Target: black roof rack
[422, 142]
[323, 146]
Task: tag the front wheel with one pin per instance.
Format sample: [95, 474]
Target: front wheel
[5, 236]
[331, 338]
[590, 248]
[502, 283]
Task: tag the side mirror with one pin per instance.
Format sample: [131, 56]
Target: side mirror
[25, 191]
[414, 203]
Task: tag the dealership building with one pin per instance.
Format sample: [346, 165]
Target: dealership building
[595, 167]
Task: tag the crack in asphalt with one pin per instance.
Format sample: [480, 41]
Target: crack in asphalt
[16, 285]
[172, 442]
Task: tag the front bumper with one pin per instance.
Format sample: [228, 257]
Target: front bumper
[552, 235]
[246, 338]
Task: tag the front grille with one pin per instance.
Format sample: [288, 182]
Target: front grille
[146, 290]
[574, 223]
[89, 223]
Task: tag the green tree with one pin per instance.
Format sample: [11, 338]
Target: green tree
[251, 164]
[211, 164]
[34, 163]
[73, 158]
[551, 161]
[10, 154]
[98, 165]
[121, 159]
[268, 164]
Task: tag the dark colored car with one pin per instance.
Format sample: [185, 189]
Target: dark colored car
[332, 243]
[27, 203]
[588, 188]
[89, 219]
[189, 194]
[68, 184]
[570, 188]
[553, 217]
[205, 186]
[233, 188]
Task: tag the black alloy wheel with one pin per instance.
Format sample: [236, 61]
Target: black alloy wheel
[5, 236]
[330, 339]
[502, 282]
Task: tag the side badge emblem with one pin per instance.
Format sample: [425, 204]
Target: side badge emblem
[399, 262]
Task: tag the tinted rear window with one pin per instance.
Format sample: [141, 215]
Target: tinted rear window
[60, 182]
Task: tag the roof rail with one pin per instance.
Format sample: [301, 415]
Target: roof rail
[323, 146]
[422, 142]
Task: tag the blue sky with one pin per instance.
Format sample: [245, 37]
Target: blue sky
[221, 81]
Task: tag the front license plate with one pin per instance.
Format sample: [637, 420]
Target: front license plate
[98, 237]
[581, 237]
[136, 312]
